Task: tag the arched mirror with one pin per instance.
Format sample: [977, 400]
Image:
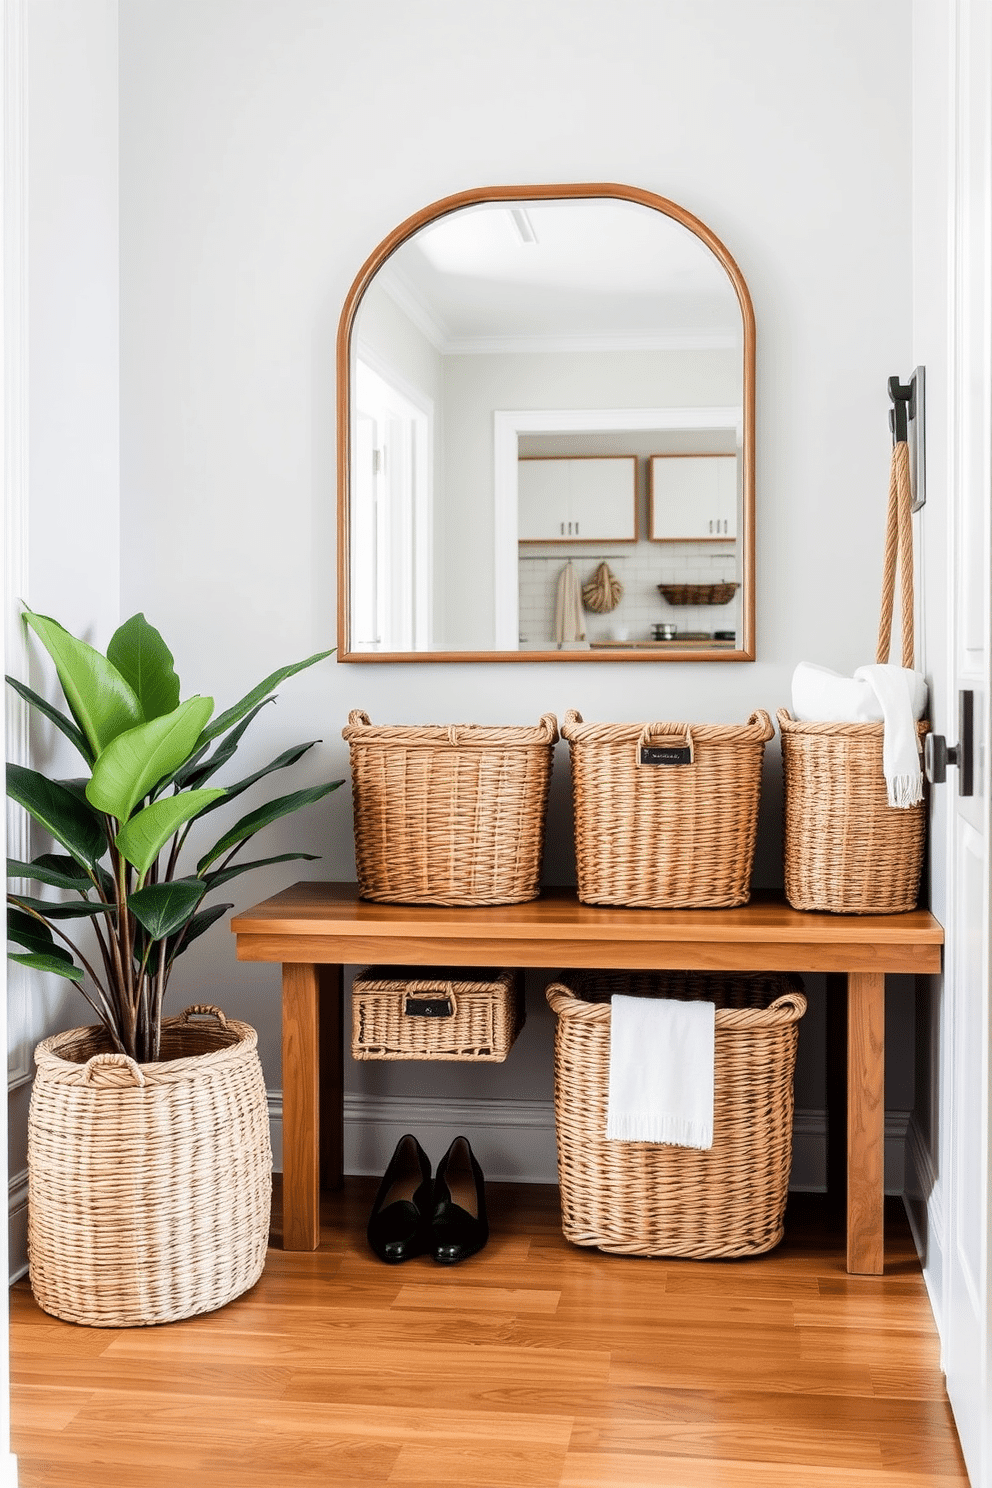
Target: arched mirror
[546, 435]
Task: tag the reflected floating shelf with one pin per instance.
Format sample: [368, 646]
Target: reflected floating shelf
[698, 594]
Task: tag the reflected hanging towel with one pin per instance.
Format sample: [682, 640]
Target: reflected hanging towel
[661, 1071]
[569, 622]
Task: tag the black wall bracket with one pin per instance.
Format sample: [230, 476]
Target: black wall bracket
[908, 424]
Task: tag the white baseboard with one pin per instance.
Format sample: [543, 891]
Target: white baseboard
[17, 1225]
[515, 1140]
[923, 1200]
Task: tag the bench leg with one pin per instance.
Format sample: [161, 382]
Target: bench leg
[311, 1090]
[865, 1122]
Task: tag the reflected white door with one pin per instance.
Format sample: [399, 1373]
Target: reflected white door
[390, 518]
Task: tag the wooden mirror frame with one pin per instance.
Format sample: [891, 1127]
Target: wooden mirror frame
[746, 649]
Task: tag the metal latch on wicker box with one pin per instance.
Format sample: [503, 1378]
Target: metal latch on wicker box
[416, 1012]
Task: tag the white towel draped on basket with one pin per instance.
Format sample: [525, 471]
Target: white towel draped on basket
[895, 696]
[661, 1071]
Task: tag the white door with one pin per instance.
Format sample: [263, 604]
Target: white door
[965, 1064]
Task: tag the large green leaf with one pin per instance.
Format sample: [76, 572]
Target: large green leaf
[146, 664]
[137, 760]
[197, 926]
[52, 868]
[60, 812]
[256, 820]
[25, 930]
[214, 880]
[287, 758]
[52, 962]
[71, 909]
[60, 871]
[54, 715]
[225, 720]
[195, 774]
[162, 908]
[102, 703]
[145, 835]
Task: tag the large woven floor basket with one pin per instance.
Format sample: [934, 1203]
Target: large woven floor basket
[654, 1199]
[666, 814]
[846, 850]
[450, 814]
[149, 1186]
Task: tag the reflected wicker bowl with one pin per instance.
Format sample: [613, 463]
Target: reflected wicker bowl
[698, 594]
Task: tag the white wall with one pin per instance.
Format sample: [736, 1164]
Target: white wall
[67, 498]
[268, 145]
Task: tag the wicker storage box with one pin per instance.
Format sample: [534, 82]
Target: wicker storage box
[417, 1012]
[149, 1186]
[846, 850]
[450, 815]
[647, 1198]
[666, 814]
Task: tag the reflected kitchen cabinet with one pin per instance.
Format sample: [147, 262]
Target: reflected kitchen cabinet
[693, 497]
[585, 499]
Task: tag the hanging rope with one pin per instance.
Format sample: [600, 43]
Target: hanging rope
[898, 554]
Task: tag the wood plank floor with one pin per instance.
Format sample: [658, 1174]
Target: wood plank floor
[533, 1365]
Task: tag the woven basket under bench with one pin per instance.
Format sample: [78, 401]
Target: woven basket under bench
[651, 1198]
[418, 1012]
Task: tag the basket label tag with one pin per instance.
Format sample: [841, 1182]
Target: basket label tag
[428, 1007]
[669, 754]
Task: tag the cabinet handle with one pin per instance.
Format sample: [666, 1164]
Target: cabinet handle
[563, 529]
[576, 529]
[711, 524]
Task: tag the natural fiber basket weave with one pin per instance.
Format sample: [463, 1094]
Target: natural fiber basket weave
[846, 850]
[149, 1185]
[450, 815]
[699, 594]
[650, 1198]
[415, 1012]
[666, 835]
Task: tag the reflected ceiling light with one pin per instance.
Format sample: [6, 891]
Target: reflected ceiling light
[523, 225]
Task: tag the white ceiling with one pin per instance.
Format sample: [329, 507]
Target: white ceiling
[601, 271]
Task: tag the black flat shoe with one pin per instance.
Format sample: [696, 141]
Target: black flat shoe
[399, 1225]
[460, 1225]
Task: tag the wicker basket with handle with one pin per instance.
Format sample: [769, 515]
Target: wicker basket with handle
[846, 850]
[450, 815]
[418, 1012]
[666, 814]
[651, 1198]
[149, 1185]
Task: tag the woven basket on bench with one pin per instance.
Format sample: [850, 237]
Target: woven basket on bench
[846, 850]
[450, 814]
[650, 1198]
[666, 835]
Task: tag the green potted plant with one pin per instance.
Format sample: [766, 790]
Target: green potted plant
[141, 1112]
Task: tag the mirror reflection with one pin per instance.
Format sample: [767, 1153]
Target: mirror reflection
[546, 424]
